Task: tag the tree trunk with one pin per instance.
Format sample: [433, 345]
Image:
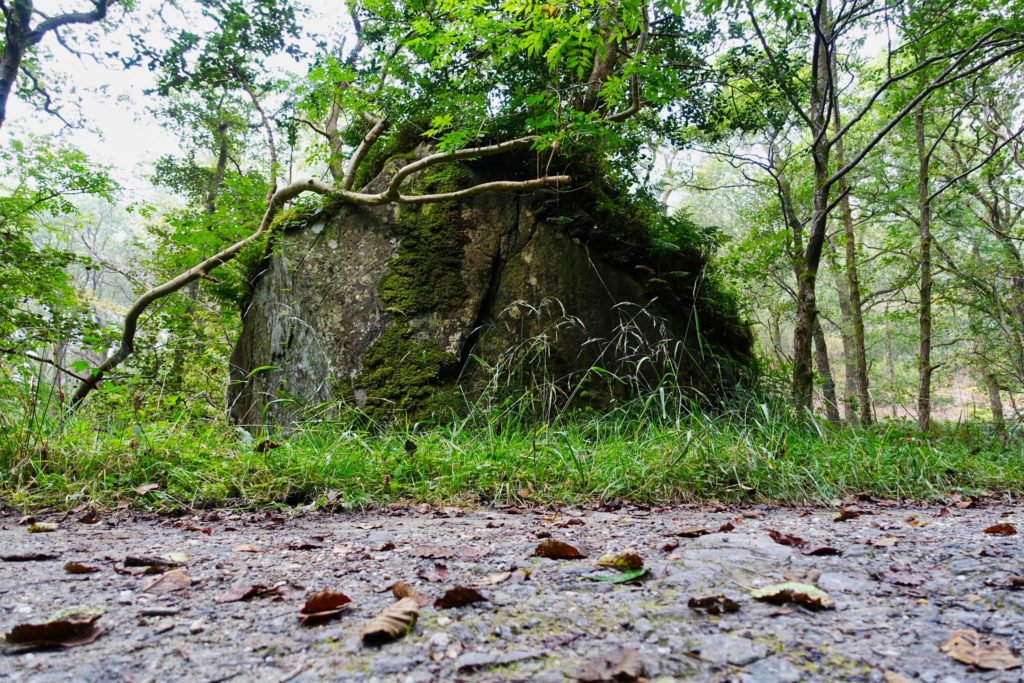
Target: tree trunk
[849, 365]
[15, 44]
[856, 313]
[924, 361]
[828, 383]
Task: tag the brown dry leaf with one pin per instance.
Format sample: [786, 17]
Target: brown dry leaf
[168, 582]
[66, 632]
[245, 548]
[900, 576]
[713, 604]
[322, 606]
[80, 568]
[557, 550]
[494, 579]
[692, 532]
[146, 488]
[621, 664]
[726, 528]
[883, 541]
[43, 527]
[670, 546]
[893, 677]
[459, 596]
[402, 589]
[302, 545]
[244, 592]
[916, 522]
[1015, 582]
[804, 594]
[985, 653]
[473, 553]
[1001, 529]
[786, 539]
[436, 574]
[846, 514]
[621, 561]
[150, 561]
[433, 552]
[394, 622]
[823, 551]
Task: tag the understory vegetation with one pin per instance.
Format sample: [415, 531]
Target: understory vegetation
[646, 452]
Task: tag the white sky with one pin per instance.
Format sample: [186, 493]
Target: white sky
[118, 129]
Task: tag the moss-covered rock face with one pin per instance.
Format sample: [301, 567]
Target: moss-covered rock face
[392, 308]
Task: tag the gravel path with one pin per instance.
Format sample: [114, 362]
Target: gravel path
[905, 580]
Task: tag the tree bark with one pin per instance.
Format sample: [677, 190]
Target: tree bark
[828, 383]
[924, 359]
[849, 364]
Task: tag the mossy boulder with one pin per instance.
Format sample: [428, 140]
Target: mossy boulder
[408, 310]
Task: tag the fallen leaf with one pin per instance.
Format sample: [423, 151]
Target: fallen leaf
[302, 545]
[402, 589]
[786, 539]
[726, 528]
[433, 552]
[150, 561]
[621, 664]
[494, 579]
[1015, 582]
[713, 604]
[80, 568]
[900, 576]
[1001, 529]
[146, 488]
[471, 553]
[436, 574]
[985, 653]
[916, 521]
[625, 576]
[883, 541]
[394, 622]
[168, 582]
[459, 596]
[67, 628]
[322, 606]
[557, 550]
[893, 677]
[692, 532]
[846, 514]
[822, 551]
[29, 557]
[244, 548]
[43, 527]
[803, 594]
[621, 561]
[670, 546]
[245, 592]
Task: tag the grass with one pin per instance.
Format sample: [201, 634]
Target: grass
[753, 453]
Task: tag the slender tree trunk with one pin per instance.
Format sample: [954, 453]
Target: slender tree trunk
[854, 304]
[849, 365]
[890, 361]
[828, 383]
[924, 360]
[807, 268]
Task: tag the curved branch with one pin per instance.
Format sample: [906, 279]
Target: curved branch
[285, 194]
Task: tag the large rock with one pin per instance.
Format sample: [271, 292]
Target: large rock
[415, 308]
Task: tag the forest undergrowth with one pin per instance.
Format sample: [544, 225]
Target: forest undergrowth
[646, 452]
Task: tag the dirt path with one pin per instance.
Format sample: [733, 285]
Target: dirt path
[905, 581]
